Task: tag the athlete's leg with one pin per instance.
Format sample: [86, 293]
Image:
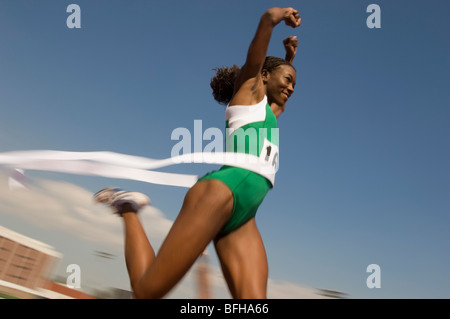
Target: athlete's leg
[244, 262]
[206, 208]
[139, 253]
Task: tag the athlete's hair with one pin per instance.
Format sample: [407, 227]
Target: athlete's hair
[222, 83]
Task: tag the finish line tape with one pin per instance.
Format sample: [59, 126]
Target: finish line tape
[121, 166]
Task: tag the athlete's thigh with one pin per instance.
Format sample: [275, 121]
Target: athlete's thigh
[206, 208]
[244, 262]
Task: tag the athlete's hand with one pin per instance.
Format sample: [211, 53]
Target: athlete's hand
[290, 45]
[291, 17]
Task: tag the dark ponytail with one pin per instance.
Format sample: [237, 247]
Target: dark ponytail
[222, 83]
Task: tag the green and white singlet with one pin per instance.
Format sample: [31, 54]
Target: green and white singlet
[250, 129]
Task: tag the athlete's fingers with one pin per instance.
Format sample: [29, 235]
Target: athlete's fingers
[291, 41]
[293, 18]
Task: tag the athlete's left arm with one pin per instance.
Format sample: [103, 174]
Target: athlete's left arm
[290, 45]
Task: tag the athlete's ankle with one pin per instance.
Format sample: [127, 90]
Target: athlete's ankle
[126, 208]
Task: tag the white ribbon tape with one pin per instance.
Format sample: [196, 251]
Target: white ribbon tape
[115, 165]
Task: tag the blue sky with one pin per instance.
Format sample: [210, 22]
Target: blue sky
[364, 152]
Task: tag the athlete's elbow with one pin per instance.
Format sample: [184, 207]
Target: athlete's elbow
[271, 16]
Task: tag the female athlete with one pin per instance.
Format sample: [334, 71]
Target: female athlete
[221, 206]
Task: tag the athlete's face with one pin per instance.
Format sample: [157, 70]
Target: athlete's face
[280, 84]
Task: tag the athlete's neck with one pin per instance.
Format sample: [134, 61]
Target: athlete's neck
[276, 109]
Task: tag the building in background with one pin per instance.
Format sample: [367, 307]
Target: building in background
[25, 266]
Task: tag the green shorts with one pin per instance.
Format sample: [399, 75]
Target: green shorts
[249, 190]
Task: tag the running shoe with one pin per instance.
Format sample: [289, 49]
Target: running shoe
[116, 198]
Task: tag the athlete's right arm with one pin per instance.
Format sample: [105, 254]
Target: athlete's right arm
[250, 76]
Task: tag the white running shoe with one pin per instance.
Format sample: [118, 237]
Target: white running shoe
[116, 198]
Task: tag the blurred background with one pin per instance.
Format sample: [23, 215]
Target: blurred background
[363, 179]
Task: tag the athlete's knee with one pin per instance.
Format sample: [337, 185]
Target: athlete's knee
[148, 295]
[251, 292]
[147, 291]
